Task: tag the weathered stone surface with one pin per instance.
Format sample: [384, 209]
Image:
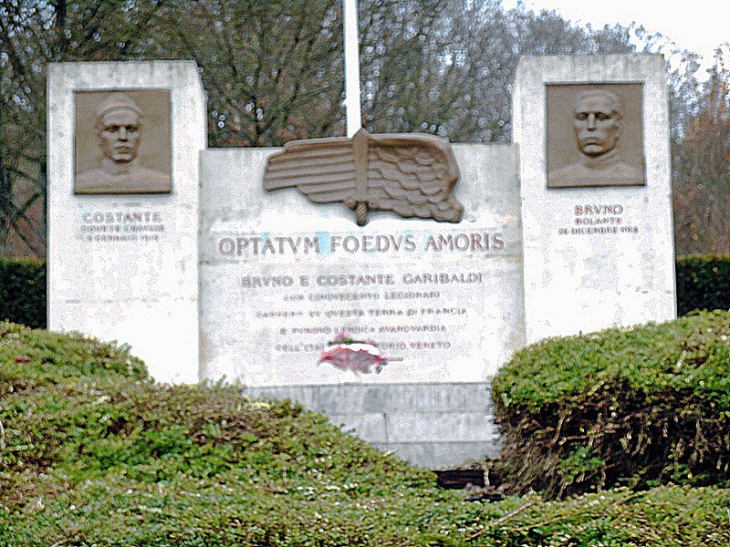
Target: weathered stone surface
[125, 267]
[281, 276]
[594, 257]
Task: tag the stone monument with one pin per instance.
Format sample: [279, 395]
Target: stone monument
[123, 198]
[247, 264]
[596, 192]
[281, 276]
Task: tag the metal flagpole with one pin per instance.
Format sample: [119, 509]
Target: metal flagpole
[353, 114]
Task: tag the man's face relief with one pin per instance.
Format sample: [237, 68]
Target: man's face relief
[119, 132]
[596, 124]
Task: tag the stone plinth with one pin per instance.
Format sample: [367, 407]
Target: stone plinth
[432, 425]
[281, 276]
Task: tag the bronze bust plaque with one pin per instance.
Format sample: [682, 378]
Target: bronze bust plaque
[122, 142]
[594, 135]
[411, 175]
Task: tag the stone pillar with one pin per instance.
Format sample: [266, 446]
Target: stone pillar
[596, 202]
[123, 197]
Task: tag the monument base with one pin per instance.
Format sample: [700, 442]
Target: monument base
[430, 425]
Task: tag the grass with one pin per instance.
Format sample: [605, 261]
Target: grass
[93, 453]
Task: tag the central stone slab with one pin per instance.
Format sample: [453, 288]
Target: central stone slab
[281, 276]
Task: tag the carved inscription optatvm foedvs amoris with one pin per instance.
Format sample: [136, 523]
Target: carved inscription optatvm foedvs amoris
[421, 292]
[325, 244]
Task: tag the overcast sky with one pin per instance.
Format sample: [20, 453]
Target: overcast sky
[697, 25]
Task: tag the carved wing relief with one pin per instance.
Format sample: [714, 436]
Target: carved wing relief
[413, 179]
[410, 175]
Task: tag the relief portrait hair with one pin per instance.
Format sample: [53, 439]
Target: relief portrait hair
[613, 99]
[116, 101]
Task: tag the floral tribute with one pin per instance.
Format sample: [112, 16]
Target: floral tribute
[355, 355]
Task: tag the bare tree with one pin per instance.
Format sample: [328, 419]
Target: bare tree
[447, 67]
[701, 165]
[32, 34]
[274, 72]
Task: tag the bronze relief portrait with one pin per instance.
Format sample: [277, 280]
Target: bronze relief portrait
[594, 135]
[122, 142]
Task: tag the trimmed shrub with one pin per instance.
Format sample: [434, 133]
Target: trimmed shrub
[23, 292]
[703, 283]
[640, 406]
[94, 454]
[32, 359]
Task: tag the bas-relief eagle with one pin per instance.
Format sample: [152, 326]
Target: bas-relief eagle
[410, 175]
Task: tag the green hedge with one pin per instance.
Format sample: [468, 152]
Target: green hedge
[703, 283]
[92, 453]
[641, 405]
[23, 292]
